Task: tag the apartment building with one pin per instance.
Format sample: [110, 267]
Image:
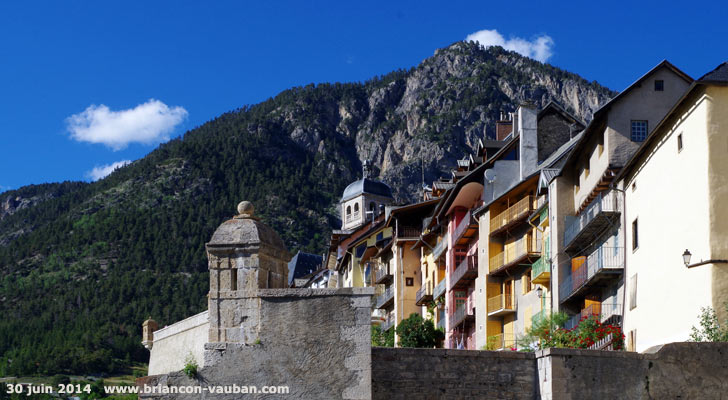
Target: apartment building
[676, 191]
[587, 229]
[513, 224]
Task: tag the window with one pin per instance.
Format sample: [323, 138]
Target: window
[372, 206]
[679, 143]
[409, 281]
[659, 85]
[234, 279]
[527, 286]
[639, 131]
[635, 238]
[356, 207]
[633, 292]
[348, 210]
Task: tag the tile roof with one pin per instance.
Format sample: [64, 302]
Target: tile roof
[720, 74]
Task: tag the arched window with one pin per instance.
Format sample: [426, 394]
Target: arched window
[348, 210]
[356, 207]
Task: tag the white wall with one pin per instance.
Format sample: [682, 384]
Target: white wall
[173, 343]
[670, 201]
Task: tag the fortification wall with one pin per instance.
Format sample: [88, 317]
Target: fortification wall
[462, 374]
[317, 342]
[174, 343]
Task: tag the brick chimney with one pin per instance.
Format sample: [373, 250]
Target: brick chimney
[503, 127]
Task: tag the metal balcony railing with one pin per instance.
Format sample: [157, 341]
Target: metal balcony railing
[602, 311]
[462, 311]
[502, 303]
[520, 249]
[466, 222]
[385, 297]
[441, 247]
[466, 270]
[585, 223]
[513, 213]
[541, 267]
[381, 273]
[441, 323]
[603, 259]
[423, 295]
[539, 316]
[388, 322]
[439, 289]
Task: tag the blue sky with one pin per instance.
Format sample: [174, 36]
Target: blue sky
[84, 85]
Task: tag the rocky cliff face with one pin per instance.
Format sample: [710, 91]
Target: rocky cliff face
[435, 113]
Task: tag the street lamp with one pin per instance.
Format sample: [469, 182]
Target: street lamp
[686, 259]
[539, 292]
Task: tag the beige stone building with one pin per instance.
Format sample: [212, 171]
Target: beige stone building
[587, 228]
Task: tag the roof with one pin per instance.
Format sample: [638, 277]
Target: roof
[552, 105]
[718, 76]
[303, 264]
[599, 114]
[366, 185]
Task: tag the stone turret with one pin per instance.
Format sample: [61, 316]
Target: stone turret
[148, 328]
[244, 255]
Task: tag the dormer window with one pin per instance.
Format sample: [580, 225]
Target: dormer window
[348, 210]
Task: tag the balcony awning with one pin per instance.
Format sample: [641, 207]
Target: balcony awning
[467, 196]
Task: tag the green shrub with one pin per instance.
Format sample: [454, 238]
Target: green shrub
[416, 331]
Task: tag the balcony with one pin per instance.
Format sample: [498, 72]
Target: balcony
[541, 271]
[441, 323]
[439, 289]
[440, 248]
[462, 313]
[423, 295]
[465, 273]
[513, 215]
[601, 213]
[501, 305]
[502, 341]
[603, 312]
[539, 316]
[515, 253]
[388, 322]
[600, 267]
[465, 230]
[408, 232]
[385, 299]
[382, 274]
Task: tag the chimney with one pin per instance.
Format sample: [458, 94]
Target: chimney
[528, 142]
[503, 127]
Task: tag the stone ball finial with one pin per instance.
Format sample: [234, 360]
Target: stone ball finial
[246, 209]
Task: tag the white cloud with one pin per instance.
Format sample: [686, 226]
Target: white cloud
[538, 48]
[147, 123]
[101, 171]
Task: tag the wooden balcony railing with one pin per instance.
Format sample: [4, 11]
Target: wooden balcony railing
[408, 232]
[502, 341]
[521, 248]
[501, 303]
[513, 213]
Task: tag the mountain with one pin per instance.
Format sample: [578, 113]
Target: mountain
[82, 265]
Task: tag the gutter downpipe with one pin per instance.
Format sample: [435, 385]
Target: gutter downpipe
[624, 240]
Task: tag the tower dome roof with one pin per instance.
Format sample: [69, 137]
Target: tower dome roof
[368, 186]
